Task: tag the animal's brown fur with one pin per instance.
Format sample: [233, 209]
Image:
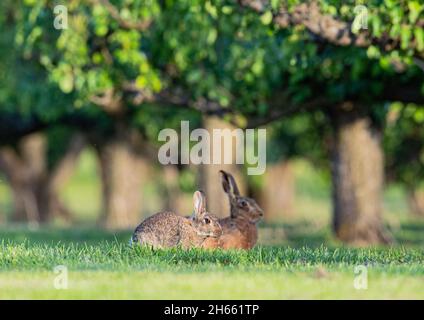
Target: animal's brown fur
[167, 229]
[239, 231]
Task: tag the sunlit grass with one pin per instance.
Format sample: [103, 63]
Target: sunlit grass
[102, 265]
[296, 258]
[211, 285]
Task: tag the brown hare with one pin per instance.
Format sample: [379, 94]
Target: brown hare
[167, 229]
[239, 230]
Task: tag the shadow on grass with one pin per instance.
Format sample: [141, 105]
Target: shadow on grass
[51, 235]
[294, 234]
[410, 233]
[305, 233]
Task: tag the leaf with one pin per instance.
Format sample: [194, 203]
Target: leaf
[227, 9]
[376, 26]
[373, 52]
[419, 38]
[405, 36]
[266, 18]
[156, 84]
[211, 9]
[419, 116]
[414, 10]
[257, 67]
[212, 35]
[275, 4]
[141, 81]
[66, 83]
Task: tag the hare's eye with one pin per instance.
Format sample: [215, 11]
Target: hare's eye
[207, 221]
[243, 203]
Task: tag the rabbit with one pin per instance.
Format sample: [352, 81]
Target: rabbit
[167, 229]
[239, 230]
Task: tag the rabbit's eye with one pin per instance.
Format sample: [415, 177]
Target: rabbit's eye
[207, 221]
[243, 203]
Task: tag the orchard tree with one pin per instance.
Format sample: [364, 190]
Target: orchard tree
[40, 128]
[404, 145]
[25, 108]
[250, 62]
[101, 58]
[362, 82]
[305, 136]
[265, 60]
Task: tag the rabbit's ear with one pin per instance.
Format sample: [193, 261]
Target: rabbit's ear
[234, 185]
[199, 202]
[229, 183]
[225, 181]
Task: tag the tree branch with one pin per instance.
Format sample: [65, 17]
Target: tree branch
[287, 110]
[323, 26]
[123, 23]
[175, 97]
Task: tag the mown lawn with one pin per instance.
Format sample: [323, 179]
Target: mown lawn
[101, 265]
[298, 258]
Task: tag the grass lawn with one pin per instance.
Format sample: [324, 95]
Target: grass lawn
[102, 265]
[295, 259]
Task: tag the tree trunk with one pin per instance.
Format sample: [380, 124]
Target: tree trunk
[175, 200]
[277, 194]
[357, 170]
[415, 200]
[34, 189]
[121, 167]
[210, 178]
[25, 170]
[60, 174]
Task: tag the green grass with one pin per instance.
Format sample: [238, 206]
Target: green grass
[102, 265]
[212, 285]
[296, 258]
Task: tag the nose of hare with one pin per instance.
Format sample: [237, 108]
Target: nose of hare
[215, 226]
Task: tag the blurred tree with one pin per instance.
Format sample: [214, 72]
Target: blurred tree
[404, 146]
[25, 107]
[393, 36]
[305, 135]
[250, 62]
[34, 185]
[210, 179]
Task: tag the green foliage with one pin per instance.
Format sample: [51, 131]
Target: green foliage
[24, 87]
[404, 145]
[58, 139]
[219, 51]
[301, 136]
[94, 53]
[151, 119]
[216, 50]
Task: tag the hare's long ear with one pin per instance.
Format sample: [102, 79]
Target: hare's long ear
[234, 185]
[199, 202]
[225, 181]
[229, 184]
